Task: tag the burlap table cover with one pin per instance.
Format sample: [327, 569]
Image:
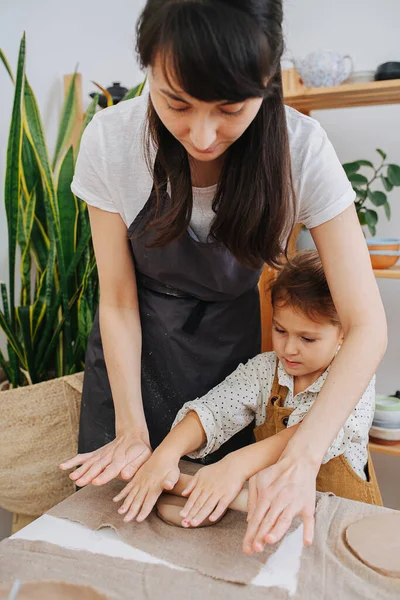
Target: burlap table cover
[329, 570]
[215, 551]
[117, 578]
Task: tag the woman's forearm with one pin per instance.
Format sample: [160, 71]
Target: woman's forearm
[255, 457]
[348, 378]
[122, 345]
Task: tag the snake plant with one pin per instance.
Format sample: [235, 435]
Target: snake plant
[48, 328]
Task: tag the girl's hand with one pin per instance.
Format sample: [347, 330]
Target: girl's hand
[211, 491]
[121, 457]
[277, 495]
[160, 473]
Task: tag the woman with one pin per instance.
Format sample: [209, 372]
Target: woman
[181, 232]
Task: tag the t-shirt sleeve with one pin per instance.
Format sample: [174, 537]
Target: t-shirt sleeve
[90, 182]
[324, 189]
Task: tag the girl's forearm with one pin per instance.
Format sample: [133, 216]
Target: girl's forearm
[122, 345]
[348, 378]
[188, 435]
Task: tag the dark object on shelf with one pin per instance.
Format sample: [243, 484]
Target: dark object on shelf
[396, 395]
[389, 70]
[117, 92]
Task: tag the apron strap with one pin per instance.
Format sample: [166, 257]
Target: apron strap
[279, 392]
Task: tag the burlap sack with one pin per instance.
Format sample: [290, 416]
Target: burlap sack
[38, 430]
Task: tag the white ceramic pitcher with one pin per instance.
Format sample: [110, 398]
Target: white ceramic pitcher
[326, 68]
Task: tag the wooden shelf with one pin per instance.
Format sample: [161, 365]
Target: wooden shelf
[392, 273]
[393, 450]
[343, 96]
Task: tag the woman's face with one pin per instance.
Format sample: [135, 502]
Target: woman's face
[205, 129]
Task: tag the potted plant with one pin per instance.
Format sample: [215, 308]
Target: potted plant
[368, 197]
[387, 174]
[48, 328]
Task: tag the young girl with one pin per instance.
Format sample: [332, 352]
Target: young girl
[277, 389]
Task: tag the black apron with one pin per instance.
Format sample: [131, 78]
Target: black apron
[200, 318]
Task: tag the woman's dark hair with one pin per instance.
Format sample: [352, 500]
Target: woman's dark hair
[302, 285]
[225, 50]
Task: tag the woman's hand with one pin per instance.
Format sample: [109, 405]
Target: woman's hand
[121, 457]
[276, 496]
[161, 472]
[211, 491]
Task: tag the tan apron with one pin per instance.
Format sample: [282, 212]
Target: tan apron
[336, 476]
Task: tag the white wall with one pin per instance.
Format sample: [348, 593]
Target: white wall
[99, 35]
[368, 31]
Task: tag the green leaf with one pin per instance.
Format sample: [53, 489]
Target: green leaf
[351, 168]
[361, 217]
[382, 153]
[106, 93]
[377, 198]
[68, 119]
[4, 297]
[25, 319]
[386, 183]
[135, 91]
[132, 92]
[7, 65]
[388, 212]
[35, 133]
[372, 230]
[393, 174]
[6, 367]
[371, 217]
[25, 224]
[30, 172]
[85, 320]
[357, 179]
[12, 339]
[12, 188]
[67, 207]
[39, 306]
[361, 193]
[365, 163]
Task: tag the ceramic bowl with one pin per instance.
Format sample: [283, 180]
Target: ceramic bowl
[384, 259]
[383, 243]
[387, 412]
[384, 433]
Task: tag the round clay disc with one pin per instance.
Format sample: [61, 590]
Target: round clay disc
[50, 590]
[375, 540]
[169, 507]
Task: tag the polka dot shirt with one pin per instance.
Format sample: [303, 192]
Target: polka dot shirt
[243, 396]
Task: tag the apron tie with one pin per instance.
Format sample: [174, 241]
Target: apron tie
[195, 318]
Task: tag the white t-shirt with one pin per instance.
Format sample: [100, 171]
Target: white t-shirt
[111, 171]
[243, 396]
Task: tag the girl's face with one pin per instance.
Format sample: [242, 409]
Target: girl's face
[205, 129]
[305, 347]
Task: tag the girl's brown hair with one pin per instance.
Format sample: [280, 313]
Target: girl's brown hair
[225, 50]
[302, 285]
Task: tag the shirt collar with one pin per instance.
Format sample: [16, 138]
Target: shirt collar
[287, 380]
